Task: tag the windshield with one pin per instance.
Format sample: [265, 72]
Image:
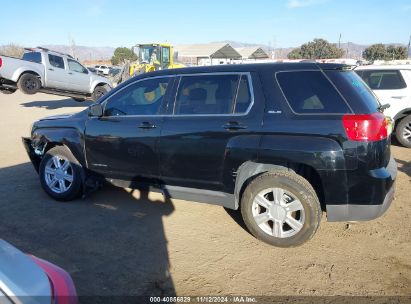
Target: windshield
[355, 91]
[149, 54]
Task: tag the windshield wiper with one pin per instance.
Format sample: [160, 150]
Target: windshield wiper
[383, 107]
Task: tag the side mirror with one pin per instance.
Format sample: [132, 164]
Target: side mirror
[95, 110]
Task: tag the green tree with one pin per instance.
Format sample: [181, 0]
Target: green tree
[316, 49]
[375, 52]
[396, 53]
[121, 54]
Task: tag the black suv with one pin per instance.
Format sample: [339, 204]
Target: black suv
[281, 142]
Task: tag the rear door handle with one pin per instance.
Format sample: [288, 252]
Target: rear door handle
[50, 69]
[398, 97]
[147, 125]
[70, 73]
[233, 125]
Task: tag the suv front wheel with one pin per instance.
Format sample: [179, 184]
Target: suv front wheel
[281, 208]
[403, 131]
[61, 174]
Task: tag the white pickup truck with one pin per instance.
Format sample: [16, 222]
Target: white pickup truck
[42, 70]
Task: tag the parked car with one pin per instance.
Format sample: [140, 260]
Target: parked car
[42, 70]
[105, 70]
[392, 85]
[280, 142]
[28, 279]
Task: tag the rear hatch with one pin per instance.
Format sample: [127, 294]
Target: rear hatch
[366, 125]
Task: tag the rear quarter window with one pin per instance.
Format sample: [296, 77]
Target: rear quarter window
[310, 92]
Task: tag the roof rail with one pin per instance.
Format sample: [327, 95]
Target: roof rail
[47, 50]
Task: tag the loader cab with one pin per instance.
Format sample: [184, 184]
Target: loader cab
[158, 56]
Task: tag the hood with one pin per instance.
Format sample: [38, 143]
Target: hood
[61, 116]
[21, 278]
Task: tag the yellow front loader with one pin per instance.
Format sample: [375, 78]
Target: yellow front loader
[153, 57]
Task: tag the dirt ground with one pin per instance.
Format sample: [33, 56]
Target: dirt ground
[119, 242]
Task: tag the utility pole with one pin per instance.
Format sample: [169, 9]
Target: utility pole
[408, 49]
[339, 42]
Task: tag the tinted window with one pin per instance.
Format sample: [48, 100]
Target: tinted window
[311, 92]
[56, 61]
[32, 56]
[243, 100]
[76, 67]
[208, 94]
[141, 98]
[383, 79]
[354, 90]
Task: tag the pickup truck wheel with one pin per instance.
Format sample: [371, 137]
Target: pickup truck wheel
[403, 132]
[98, 92]
[78, 99]
[29, 84]
[281, 208]
[61, 174]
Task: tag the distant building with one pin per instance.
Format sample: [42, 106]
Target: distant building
[252, 53]
[206, 54]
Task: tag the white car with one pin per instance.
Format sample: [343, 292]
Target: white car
[392, 85]
[105, 70]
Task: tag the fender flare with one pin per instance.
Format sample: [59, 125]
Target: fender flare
[23, 70]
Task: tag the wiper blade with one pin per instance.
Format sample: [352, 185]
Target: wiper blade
[383, 107]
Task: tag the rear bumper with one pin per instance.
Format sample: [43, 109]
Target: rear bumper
[35, 159]
[351, 212]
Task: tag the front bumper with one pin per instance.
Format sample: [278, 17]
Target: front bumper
[351, 212]
[35, 159]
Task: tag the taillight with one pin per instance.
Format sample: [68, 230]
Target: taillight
[1, 62]
[366, 127]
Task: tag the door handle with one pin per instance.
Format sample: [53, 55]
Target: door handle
[147, 125]
[398, 97]
[70, 73]
[50, 69]
[233, 125]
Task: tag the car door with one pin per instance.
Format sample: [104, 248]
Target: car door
[56, 73]
[122, 144]
[390, 88]
[208, 111]
[79, 77]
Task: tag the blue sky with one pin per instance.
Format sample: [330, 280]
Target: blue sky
[282, 23]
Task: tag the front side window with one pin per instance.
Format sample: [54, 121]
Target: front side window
[76, 67]
[310, 92]
[383, 79]
[141, 98]
[166, 54]
[56, 61]
[206, 94]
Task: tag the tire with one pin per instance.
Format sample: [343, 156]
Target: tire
[98, 92]
[8, 91]
[29, 84]
[78, 99]
[295, 202]
[68, 182]
[403, 131]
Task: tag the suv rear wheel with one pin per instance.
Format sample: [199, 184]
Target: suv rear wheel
[403, 131]
[61, 174]
[281, 208]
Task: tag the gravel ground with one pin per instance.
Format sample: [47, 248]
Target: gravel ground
[123, 242]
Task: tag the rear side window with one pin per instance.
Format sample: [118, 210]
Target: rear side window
[354, 90]
[243, 100]
[310, 92]
[383, 79]
[32, 56]
[206, 94]
[56, 61]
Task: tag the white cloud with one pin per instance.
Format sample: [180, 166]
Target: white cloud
[303, 3]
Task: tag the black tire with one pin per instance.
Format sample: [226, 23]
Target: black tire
[98, 92]
[402, 129]
[79, 99]
[8, 91]
[29, 84]
[74, 190]
[302, 191]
